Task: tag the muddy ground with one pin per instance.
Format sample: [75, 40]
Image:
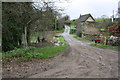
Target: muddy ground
[79, 61]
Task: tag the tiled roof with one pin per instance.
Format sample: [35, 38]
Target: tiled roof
[83, 18]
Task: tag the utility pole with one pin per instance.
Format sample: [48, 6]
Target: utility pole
[119, 9]
[113, 16]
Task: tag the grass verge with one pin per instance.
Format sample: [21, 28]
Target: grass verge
[83, 39]
[98, 44]
[27, 54]
[105, 46]
[60, 31]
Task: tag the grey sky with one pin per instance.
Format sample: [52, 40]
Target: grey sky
[96, 7]
[74, 8]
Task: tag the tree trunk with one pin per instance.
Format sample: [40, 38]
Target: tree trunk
[20, 42]
[28, 36]
[25, 42]
[38, 39]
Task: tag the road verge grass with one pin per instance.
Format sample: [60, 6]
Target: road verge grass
[27, 54]
[60, 31]
[98, 44]
[82, 39]
[105, 46]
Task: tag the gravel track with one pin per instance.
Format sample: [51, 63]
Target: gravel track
[82, 61]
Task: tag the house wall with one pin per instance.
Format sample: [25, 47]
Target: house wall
[91, 30]
[88, 30]
[89, 19]
[91, 37]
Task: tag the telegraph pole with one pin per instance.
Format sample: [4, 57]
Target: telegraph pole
[113, 16]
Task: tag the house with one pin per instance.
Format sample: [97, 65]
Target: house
[117, 19]
[86, 18]
[87, 27]
[83, 19]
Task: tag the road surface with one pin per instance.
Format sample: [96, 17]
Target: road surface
[82, 61]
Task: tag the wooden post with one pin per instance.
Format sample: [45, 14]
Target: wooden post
[105, 41]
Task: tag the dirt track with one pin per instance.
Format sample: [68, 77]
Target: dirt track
[83, 61]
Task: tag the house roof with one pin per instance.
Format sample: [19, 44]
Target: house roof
[83, 18]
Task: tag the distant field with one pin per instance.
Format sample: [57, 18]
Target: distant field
[99, 20]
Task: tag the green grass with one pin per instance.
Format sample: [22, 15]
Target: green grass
[99, 20]
[72, 27]
[60, 31]
[105, 46]
[62, 40]
[99, 45]
[82, 39]
[20, 52]
[103, 29]
[33, 41]
[49, 51]
[27, 54]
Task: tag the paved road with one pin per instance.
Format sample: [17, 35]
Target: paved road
[83, 61]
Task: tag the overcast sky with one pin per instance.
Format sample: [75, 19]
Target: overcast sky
[97, 8]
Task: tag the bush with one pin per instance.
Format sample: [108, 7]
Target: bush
[19, 52]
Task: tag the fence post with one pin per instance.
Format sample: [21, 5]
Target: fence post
[105, 41]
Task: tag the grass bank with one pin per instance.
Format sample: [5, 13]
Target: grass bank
[26, 54]
[83, 39]
[105, 46]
